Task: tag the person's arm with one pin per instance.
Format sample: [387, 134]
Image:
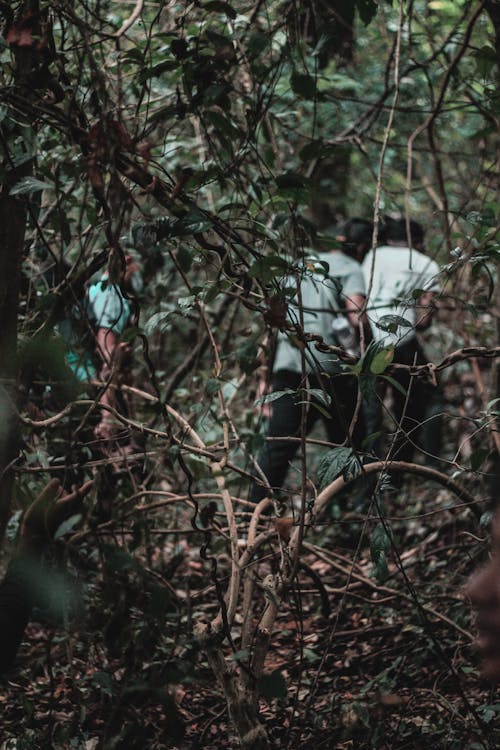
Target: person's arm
[425, 311]
[108, 347]
[426, 303]
[353, 306]
[354, 302]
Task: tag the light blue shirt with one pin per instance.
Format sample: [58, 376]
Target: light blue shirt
[107, 307]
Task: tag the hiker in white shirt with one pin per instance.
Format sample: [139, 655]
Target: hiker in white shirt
[331, 296]
[401, 282]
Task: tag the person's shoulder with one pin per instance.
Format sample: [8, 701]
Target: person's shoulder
[339, 263]
[425, 262]
[380, 253]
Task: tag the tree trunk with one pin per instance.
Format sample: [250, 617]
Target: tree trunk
[13, 217]
[240, 693]
[12, 228]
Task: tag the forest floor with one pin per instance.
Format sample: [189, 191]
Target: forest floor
[354, 663]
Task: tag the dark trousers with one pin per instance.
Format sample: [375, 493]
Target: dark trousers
[422, 408]
[286, 417]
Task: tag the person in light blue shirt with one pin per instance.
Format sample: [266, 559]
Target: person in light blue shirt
[109, 312]
[107, 307]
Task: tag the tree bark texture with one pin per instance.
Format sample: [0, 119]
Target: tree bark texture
[13, 218]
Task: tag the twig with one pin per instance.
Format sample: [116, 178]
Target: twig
[323, 555]
[131, 19]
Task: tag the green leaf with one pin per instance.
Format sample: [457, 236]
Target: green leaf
[68, 525]
[219, 40]
[337, 462]
[391, 323]
[241, 655]
[367, 385]
[257, 43]
[193, 222]
[223, 124]
[272, 685]
[158, 602]
[157, 70]
[13, 526]
[28, 185]
[369, 440]
[394, 384]
[217, 6]
[311, 656]
[311, 150]
[382, 360]
[478, 458]
[212, 386]
[291, 180]
[486, 59]
[186, 303]
[118, 559]
[324, 412]
[130, 334]
[316, 149]
[158, 321]
[211, 293]
[367, 10]
[293, 186]
[134, 55]
[303, 85]
[268, 267]
[184, 258]
[246, 356]
[315, 394]
[274, 396]
[373, 348]
[486, 519]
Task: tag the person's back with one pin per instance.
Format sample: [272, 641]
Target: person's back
[393, 271]
[328, 280]
[331, 288]
[401, 282]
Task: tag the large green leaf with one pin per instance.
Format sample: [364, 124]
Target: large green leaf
[338, 462]
[274, 396]
[367, 10]
[272, 685]
[382, 360]
[303, 85]
[391, 323]
[217, 6]
[268, 267]
[29, 185]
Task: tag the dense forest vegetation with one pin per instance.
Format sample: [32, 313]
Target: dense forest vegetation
[191, 154]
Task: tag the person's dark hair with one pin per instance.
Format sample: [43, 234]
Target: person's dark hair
[356, 237]
[395, 230]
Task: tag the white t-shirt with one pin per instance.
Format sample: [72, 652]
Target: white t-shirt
[397, 272]
[323, 293]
